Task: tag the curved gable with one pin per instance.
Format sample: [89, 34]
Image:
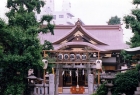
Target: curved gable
[80, 43]
[78, 30]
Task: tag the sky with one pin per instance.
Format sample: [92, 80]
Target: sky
[93, 12]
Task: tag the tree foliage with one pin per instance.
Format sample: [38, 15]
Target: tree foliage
[133, 22]
[127, 58]
[102, 90]
[123, 83]
[126, 82]
[114, 20]
[19, 44]
[47, 45]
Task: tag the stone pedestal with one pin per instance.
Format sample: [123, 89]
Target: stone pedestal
[51, 84]
[138, 91]
[90, 84]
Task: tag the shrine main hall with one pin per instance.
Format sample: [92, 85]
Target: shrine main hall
[77, 49]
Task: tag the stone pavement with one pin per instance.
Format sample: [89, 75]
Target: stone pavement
[66, 91]
[73, 94]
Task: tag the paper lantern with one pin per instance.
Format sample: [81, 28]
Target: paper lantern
[60, 56]
[98, 64]
[84, 57]
[72, 57]
[78, 56]
[94, 55]
[45, 63]
[66, 56]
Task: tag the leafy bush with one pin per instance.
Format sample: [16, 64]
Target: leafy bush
[102, 90]
[15, 89]
[126, 82]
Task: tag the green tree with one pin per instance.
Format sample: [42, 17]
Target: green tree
[47, 45]
[132, 21]
[114, 20]
[126, 58]
[21, 48]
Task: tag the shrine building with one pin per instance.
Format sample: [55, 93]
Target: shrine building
[77, 48]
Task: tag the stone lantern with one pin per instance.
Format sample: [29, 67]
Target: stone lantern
[108, 77]
[32, 78]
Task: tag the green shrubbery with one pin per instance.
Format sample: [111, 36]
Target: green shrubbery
[126, 82]
[102, 90]
[123, 83]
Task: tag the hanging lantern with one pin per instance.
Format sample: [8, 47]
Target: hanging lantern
[76, 73]
[63, 73]
[84, 57]
[98, 64]
[60, 56]
[70, 73]
[94, 55]
[72, 57]
[83, 72]
[45, 63]
[78, 56]
[66, 56]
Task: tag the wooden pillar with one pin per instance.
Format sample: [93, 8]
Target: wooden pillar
[98, 55]
[98, 69]
[60, 88]
[56, 79]
[98, 77]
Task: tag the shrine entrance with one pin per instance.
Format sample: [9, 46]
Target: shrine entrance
[73, 71]
[70, 78]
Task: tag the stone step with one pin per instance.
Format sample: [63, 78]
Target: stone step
[137, 93]
[138, 88]
[73, 94]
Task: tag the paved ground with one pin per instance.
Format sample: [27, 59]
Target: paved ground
[73, 94]
[66, 91]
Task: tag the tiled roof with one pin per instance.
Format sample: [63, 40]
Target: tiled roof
[111, 35]
[60, 31]
[132, 49]
[80, 43]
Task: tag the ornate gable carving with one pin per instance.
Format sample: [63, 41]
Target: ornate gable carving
[78, 33]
